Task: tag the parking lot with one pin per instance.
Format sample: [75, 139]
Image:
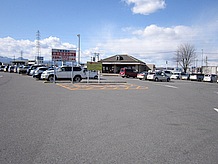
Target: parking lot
[127, 121]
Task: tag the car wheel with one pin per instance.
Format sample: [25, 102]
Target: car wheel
[51, 78]
[156, 79]
[168, 79]
[77, 79]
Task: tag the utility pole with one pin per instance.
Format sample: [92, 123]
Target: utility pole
[96, 55]
[166, 64]
[206, 61]
[177, 59]
[38, 46]
[78, 48]
[202, 61]
[21, 55]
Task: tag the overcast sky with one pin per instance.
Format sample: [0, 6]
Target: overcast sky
[150, 30]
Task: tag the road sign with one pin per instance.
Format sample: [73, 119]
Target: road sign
[94, 66]
[63, 55]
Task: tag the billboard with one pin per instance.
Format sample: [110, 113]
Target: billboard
[94, 66]
[63, 55]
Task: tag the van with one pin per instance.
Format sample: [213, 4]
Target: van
[126, 72]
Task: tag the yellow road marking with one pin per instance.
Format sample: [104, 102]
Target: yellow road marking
[102, 87]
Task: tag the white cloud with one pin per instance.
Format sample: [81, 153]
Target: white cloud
[146, 7]
[10, 47]
[151, 44]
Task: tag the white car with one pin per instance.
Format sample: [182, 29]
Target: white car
[158, 76]
[142, 75]
[168, 73]
[91, 74]
[39, 71]
[185, 76]
[176, 75]
[210, 78]
[196, 77]
[2, 68]
[64, 72]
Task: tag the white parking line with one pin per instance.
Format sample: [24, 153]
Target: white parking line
[170, 86]
[215, 109]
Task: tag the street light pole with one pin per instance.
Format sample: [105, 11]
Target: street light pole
[78, 48]
[202, 61]
[202, 53]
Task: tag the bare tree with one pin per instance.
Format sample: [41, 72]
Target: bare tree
[185, 56]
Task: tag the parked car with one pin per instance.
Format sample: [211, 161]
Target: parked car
[126, 72]
[176, 75]
[39, 71]
[23, 69]
[30, 71]
[11, 69]
[210, 78]
[185, 76]
[142, 75]
[196, 77]
[6, 68]
[2, 68]
[15, 68]
[158, 76]
[64, 72]
[168, 73]
[91, 74]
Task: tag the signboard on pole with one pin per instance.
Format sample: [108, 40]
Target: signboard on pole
[94, 66]
[63, 55]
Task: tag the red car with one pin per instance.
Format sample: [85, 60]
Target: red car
[126, 72]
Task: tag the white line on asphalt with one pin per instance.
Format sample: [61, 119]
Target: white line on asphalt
[170, 86]
[215, 109]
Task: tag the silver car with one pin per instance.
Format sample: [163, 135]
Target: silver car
[158, 76]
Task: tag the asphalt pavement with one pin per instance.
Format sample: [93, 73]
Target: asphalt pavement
[138, 122]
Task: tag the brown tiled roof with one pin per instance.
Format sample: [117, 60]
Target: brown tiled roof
[124, 59]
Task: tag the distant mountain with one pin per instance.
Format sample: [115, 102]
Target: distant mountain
[7, 60]
[21, 58]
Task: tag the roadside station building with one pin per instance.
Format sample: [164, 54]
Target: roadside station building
[114, 63]
[19, 62]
